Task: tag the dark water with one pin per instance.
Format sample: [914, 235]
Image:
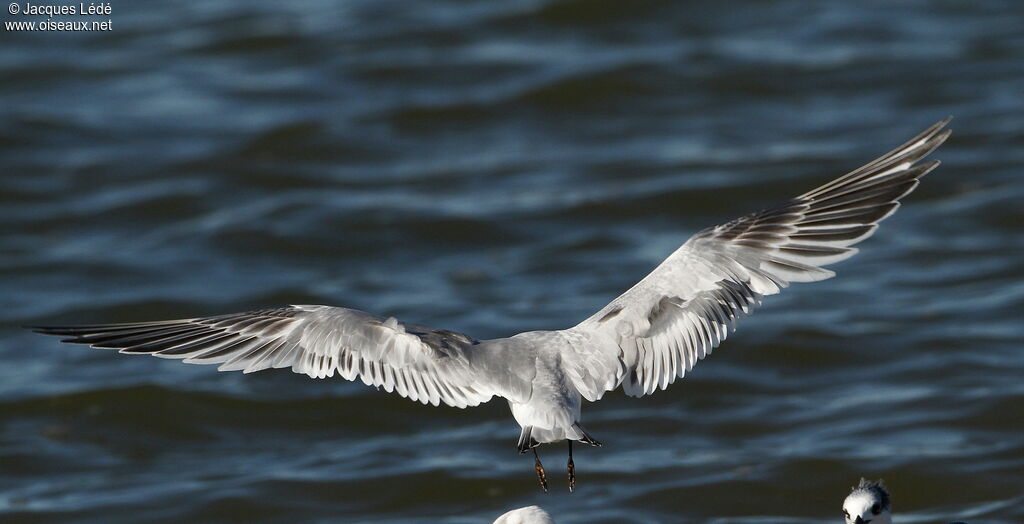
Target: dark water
[492, 168]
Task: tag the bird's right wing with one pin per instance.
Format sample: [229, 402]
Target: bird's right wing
[420, 363]
[657, 330]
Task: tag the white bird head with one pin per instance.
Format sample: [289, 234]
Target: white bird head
[868, 502]
[527, 515]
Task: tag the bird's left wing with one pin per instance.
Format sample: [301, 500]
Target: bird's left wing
[424, 364]
[657, 330]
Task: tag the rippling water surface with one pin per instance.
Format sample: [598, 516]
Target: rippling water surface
[492, 168]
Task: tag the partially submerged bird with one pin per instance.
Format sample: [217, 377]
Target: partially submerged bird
[527, 515]
[869, 501]
[642, 341]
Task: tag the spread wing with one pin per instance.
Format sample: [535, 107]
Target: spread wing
[656, 331]
[419, 363]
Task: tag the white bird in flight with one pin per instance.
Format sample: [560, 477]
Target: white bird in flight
[642, 341]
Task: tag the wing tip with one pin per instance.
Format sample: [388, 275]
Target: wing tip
[934, 128]
[48, 330]
[70, 334]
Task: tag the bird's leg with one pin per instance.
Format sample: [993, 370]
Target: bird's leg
[541, 476]
[585, 438]
[572, 469]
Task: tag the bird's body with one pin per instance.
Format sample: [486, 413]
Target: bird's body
[642, 341]
[552, 409]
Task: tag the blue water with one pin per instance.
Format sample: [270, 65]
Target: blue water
[494, 168]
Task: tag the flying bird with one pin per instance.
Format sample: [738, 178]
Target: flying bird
[642, 341]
